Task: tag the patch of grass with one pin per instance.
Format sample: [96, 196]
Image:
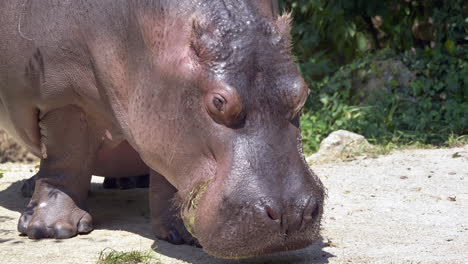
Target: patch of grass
[385, 149]
[111, 256]
[453, 141]
[2, 173]
[457, 141]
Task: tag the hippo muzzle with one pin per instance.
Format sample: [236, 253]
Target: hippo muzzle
[263, 200]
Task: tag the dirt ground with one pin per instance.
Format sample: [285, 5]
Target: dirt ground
[407, 207]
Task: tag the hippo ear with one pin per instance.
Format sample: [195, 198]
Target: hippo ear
[284, 25]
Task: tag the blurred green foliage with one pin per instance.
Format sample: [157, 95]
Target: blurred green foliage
[338, 44]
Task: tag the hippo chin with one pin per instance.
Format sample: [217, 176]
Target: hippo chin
[201, 95]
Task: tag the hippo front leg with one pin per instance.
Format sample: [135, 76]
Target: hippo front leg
[27, 189]
[57, 207]
[165, 218]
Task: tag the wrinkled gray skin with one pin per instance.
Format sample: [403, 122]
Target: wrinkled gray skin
[203, 95]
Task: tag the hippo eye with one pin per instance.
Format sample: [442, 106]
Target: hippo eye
[223, 104]
[218, 103]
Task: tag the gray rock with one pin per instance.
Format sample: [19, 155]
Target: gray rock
[341, 145]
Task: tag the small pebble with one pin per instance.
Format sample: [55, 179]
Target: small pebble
[452, 198]
[330, 243]
[404, 177]
[448, 198]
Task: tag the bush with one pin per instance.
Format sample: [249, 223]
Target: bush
[429, 110]
[332, 33]
[339, 43]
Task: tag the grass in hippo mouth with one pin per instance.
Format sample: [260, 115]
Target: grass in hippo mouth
[188, 213]
[196, 194]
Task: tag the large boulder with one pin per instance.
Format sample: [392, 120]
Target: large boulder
[341, 145]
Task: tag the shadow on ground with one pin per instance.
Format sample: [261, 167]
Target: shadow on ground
[128, 210]
[311, 255]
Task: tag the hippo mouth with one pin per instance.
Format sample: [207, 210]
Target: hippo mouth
[267, 245]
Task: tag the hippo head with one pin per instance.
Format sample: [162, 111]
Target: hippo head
[215, 109]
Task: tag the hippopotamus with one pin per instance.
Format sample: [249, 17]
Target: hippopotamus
[204, 96]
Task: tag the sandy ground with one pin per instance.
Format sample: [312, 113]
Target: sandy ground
[408, 207]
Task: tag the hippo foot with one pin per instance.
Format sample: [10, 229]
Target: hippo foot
[51, 213]
[27, 189]
[175, 233]
[126, 183]
[165, 215]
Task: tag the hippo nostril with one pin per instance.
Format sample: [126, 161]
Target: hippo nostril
[272, 214]
[312, 211]
[315, 212]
